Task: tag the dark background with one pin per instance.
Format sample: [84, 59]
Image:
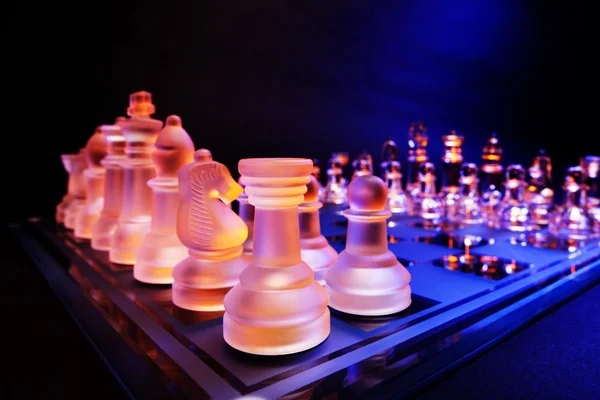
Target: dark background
[304, 78]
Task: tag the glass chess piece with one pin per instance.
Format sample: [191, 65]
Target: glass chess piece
[417, 156]
[317, 174]
[451, 166]
[491, 181]
[106, 225]
[95, 175]
[277, 307]
[540, 193]
[514, 213]
[591, 166]
[161, 249]
[362, 165]
[140, 132]
[572, 220]
[427, 204]
[398, 202]
[367, 278]
[75, 164]
[469, 203]
[213, 234]
[335, 190]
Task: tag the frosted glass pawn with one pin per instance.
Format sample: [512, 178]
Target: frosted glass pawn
[314, 248]
[161, 249]
[212, 232]
[277, 307]
[140, 131]
[367, 278]
[105, 227]
[514, 213]
[398, 203]
[94, 180]
[75, 164]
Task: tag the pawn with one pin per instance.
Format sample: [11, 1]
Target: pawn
[314, 248]
[161, 249]
[75, 164]
[514, 213]
[94, 174]
[398, 202]
[363, 165]
[573, 220]
[469, 203]
[212, 232]
[337, 185]
[367, 278]
[427, 204]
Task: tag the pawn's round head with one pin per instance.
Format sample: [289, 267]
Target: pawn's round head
[95, 149]
[312, 191]
[367, 193]
[203, 155]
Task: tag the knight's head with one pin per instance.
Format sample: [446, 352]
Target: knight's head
[228, 189]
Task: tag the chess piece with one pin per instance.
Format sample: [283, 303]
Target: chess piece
[314, 248]
[367, 278]
[335, 191]
[140, 132]
[469, 208]
[246, 212]
[451, 165]
[492, 176]
[94, 179]
[572, 220]
[105, 227]
[317, 174]
[212, 232]
[417, 155]
[398, 202]
[540, 193]
[427, 203]
[161, 249]
[75, 164]
[362, 165]
[591, 167]
[514, 213]
[278, 307]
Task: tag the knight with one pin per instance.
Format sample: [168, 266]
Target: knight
[161, 249]
[94, 174]
[213, 234]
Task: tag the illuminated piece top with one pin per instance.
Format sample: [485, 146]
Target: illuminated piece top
[492, 177]
[140, 132]
[246, 212]
[362, 165]
[514, 213]
[539, 192]
[315, 250]
[94, 178]
[469, 203]
[106, 225]
[212, 232]
[161, 249]
[335, 190]
[278, 307]
[367, 278]
[573, 220]
[417, 154]
[75, 164]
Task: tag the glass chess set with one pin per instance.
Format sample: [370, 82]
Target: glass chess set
[276, 286]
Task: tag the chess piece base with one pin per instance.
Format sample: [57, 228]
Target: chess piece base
[61, 208]
[276, 340]
[156, 257]
[128, 236]
[88, 218]
[103, 232]
[201, 284]
[372, 285]
[72, 212]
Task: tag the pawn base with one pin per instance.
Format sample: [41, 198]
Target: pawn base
[103, 232]
[156, 258]
[127, 239]
[72, 212]
[277, 340]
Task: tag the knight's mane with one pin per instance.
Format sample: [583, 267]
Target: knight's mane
[200, 221]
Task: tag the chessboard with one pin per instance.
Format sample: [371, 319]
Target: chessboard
[471, 287]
